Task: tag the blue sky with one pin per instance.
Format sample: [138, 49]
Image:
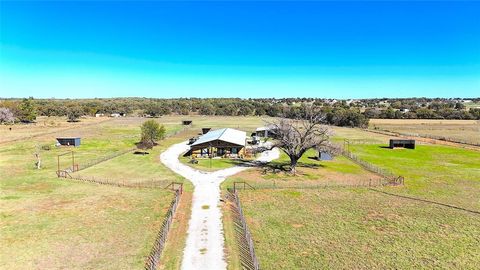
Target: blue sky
[347, 49]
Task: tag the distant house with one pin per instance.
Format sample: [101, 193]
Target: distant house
[99, 115]
[225, 142]
[117, 115]
[394, 143]
[265, 132]
[186, 122]
[69, 141]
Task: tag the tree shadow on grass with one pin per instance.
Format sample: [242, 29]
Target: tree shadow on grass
[275, 166]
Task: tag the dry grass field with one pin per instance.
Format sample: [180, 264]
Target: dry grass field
[50, 223]
[44, 126]
[463, 130]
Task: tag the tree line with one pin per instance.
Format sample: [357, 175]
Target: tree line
[338, 112]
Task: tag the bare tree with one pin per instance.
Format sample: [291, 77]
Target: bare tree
[297, 136]
[6, 116]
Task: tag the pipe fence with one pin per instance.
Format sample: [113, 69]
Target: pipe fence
[153, 259]
[248, 258]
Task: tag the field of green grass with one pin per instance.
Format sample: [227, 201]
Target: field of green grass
[138, 168]
[357, 229]
[310, 172]
[52, 223]
[441, 173]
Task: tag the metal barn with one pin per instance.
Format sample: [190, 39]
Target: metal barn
[225, 142]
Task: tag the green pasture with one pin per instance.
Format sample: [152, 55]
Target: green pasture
[310, 172]
[357, 229]
[441, 173]
[346, 228]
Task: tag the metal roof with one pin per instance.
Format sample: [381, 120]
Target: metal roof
[225, 134]
[270, 127]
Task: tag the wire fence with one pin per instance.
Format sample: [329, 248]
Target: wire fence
[96, 161]
[93, 162]
[153, 259]
[265, 185]
[117, 183]
[426, 136]
[248, 258]
[391, 178]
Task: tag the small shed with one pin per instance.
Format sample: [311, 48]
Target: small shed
[410, 144]
[69, 141]
[205, 130]
[266, 132]
[324, 156]
[186, 122]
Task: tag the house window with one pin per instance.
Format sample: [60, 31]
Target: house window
[234, 150]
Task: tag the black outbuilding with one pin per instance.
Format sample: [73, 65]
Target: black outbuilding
[410, 144]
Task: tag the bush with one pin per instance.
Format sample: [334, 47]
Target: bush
[46, 147]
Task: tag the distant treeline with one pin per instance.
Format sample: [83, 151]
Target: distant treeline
[354, 113]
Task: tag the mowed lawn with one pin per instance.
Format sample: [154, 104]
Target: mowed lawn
[310, 172]
[214, 164]
[337, 228]
[50, 223]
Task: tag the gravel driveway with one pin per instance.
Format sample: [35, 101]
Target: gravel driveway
[204, 247]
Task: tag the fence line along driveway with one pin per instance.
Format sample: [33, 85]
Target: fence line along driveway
[204, 247]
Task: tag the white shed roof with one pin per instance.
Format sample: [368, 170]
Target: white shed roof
[225, 134]
[269, 127]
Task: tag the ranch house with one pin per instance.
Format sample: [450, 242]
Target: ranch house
[225, 142]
